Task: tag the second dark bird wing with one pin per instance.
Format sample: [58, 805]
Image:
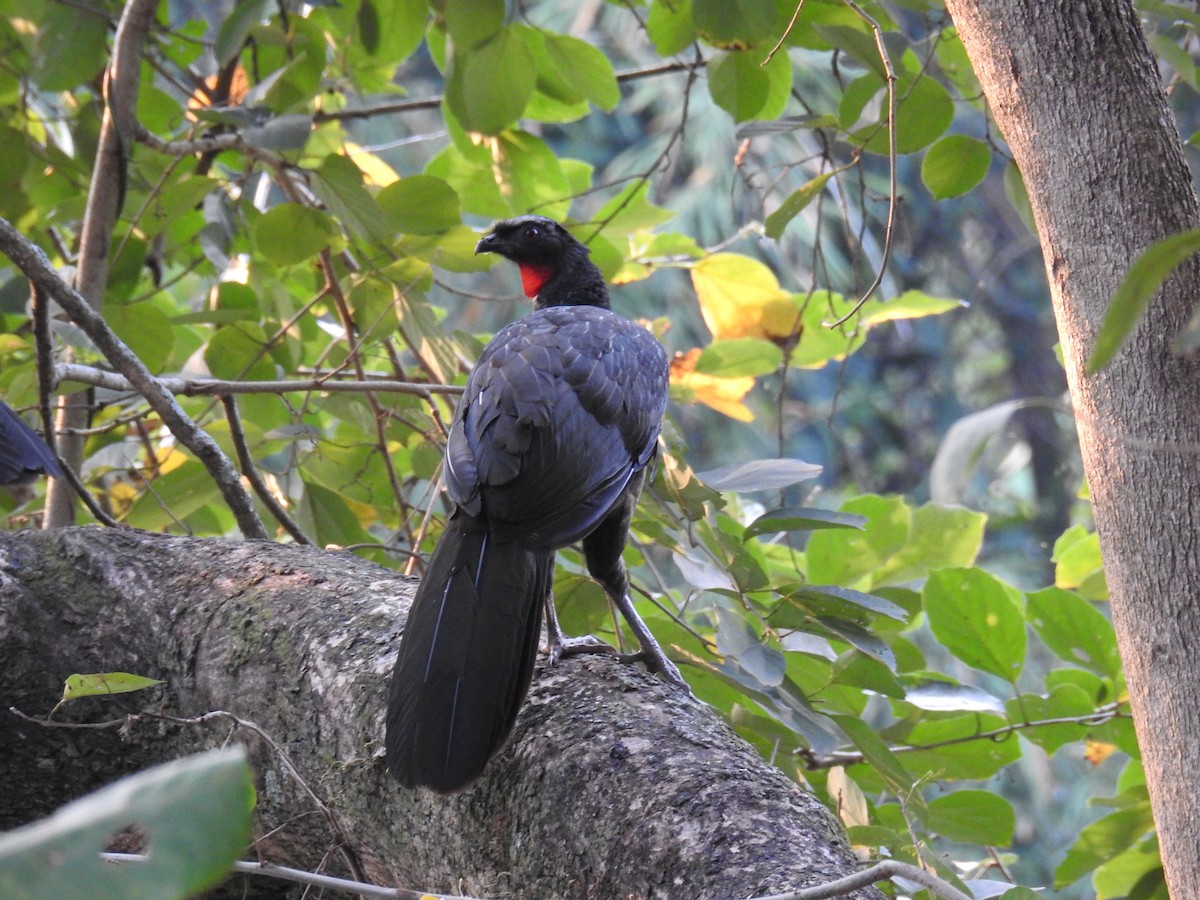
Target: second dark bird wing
[561, 410]
[23, 454]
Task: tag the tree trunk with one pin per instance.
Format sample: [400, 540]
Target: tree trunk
[1074, 88]
[613, 785]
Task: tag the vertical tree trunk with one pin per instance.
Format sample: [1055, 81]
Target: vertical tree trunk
[1074, 88]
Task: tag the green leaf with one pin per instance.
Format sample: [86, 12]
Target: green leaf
[236, 28]
[1103, 840]
[339, 184]
[71, 48]
[954, 165]
[977, 618]
[98, 685]
[924, 110]
[292, 233]
[1078, 563]
[973, 817]
[529, 175]
[843, 557]
[420, 204]
[733, 24]
[1065, 701]
[367, 20]
[584, 68]
[481, 101]
[738, 641]
[794, 205]
[472, 22]
[195, 814]
[238, 351]
[176, 496]
[955, 755]
[759, 475]
[739, 356]
[1152, 267]
[818, 600]
[909, 305]
[938, 537]
[875, 750]
[670, 26]
[146, 330]
[802, 518]
[1074, 630]
[738, 84]
[1136, 874]
[944, 696]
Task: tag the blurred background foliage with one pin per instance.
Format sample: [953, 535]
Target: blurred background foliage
[884, 573]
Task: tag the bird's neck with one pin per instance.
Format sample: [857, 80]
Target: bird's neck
[573, 283]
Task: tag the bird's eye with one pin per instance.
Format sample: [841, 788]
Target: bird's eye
[531, 232]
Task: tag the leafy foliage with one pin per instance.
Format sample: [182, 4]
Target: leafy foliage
[303, 215]
[194, 815]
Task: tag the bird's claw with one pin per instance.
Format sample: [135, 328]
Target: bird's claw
[563, 646]
[656, 663]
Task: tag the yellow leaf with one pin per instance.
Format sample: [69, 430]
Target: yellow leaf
[740, 297]
[375, 171]
[722, 394]
[1097, 752]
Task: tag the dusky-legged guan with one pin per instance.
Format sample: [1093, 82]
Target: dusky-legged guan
[549, 446]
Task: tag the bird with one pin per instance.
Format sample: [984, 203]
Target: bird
[549, 445]
[23, 453]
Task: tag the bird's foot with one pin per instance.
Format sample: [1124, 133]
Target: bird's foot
[656, 663]
[562, 646]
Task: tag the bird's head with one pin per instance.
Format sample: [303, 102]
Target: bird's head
[555, 268]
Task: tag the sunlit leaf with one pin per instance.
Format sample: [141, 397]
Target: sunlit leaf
[103, 683]
[943, 696]
[738, 357]
[795, 204]
[1152, 267]
[954, 165]
[1074, 630]
[740, 297]
[724, 394]
[977, 618]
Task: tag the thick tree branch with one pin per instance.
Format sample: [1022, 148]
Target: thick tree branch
[614, 784]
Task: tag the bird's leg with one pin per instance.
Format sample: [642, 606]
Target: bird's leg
[651, 654]
[562, 646]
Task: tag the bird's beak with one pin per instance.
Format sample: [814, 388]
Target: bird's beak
[487, 244]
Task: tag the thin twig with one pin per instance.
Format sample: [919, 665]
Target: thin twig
[850, 757]
[238, 435]
[890, 226]
[883, 871]
[299, 876]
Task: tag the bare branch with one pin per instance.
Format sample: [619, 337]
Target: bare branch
[208, 387]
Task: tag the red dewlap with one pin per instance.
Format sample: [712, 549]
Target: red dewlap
[533, 278]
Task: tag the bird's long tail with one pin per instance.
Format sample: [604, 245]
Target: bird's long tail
[466, 657]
